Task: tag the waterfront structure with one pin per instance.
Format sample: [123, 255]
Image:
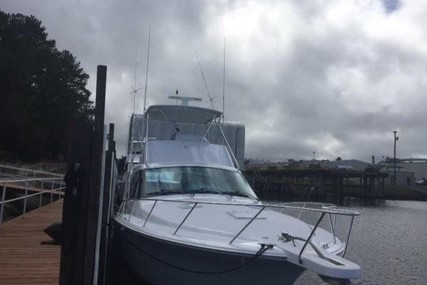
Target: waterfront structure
[316, 180]
[416, 165]
[408, 170]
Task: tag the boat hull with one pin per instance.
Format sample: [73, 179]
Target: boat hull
[162, 262]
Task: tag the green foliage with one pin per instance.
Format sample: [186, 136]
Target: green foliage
[42, 90]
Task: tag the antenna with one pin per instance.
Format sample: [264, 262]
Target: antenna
[223, 87]
[135, 88]
[204, 80]
[146, 70]
[185, 100]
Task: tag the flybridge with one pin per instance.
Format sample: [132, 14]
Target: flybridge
[199, 127]
[183, 113]
[184, 145]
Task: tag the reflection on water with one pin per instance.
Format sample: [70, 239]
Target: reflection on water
[389, 242]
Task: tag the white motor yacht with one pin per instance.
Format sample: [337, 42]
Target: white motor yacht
[189, 216]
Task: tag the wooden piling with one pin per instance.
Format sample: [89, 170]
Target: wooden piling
[107, 207]
[84, 180]
[74, 217]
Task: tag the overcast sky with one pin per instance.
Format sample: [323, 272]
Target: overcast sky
[325, 76]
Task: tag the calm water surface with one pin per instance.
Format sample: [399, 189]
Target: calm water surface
[389, 242]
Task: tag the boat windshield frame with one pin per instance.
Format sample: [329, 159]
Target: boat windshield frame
[173, 114]
[150, 182]
[179, 113]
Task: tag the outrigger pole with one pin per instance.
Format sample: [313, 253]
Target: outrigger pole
[223, 87]
[204, 80]
[146, 70]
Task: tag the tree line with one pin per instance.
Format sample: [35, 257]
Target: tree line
[42, 91]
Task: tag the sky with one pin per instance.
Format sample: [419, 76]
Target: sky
[322, 78]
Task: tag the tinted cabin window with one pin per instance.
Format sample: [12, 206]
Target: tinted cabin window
[188, 180]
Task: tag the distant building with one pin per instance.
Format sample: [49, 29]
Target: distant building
[416, 165]
[352, 164]
[408, 171]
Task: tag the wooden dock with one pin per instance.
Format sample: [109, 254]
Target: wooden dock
[23, 259]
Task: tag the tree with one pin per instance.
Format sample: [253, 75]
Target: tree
[42, 90]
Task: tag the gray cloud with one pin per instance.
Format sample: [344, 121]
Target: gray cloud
[335, 77]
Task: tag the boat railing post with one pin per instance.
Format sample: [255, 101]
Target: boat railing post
[60, 195]
[300, 213]
[41, 193]
[310, 236]
[149, 214]
[333, 227]
[40, 198]
[348, 236]
[131, 210]
[25, 199]
[3, 197]
[188, 214]
[247, 225]
[51, 190]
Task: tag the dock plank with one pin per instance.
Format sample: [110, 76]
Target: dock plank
[23, 260]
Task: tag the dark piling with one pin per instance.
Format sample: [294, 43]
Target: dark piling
[84, 181]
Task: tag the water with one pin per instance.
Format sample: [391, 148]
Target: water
[389, 242]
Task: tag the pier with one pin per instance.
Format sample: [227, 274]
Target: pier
[316, 183]
[23, 257]
[84, 211]
[30, 201]
[22, 190]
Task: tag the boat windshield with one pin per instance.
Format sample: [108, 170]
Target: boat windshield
[189, 180]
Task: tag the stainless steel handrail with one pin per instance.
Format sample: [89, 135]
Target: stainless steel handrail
[333, 224]
[32, 195]
[323, 211]
[188, 214]
[152, 208]
[27, 189]
[32, 180]
[348, 236]
[286, 206]
[32, 171]
[247, 225]
[310, 236]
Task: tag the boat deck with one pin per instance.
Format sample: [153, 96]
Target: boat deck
[23, 259]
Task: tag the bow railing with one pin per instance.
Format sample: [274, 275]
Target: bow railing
[320, 209]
